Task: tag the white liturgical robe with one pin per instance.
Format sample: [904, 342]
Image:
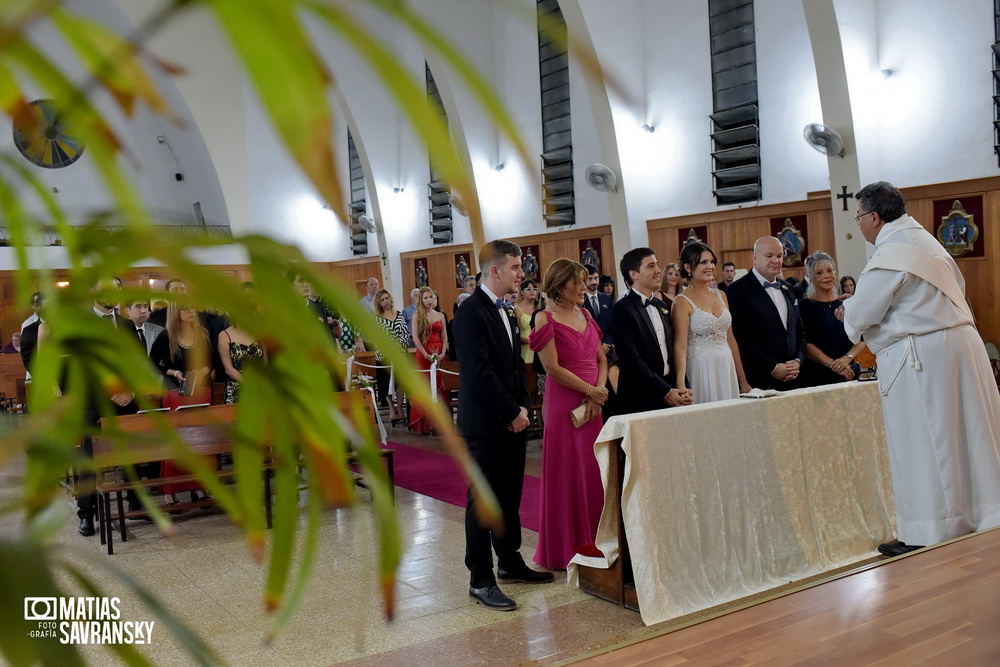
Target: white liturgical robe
[940, 401]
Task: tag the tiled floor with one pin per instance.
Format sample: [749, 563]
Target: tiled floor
[205, 575]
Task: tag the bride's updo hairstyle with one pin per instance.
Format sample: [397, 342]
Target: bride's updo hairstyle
[691, 255]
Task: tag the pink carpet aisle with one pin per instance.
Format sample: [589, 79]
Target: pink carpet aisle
[436, 475]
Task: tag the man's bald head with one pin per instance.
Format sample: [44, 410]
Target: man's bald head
[768, 256]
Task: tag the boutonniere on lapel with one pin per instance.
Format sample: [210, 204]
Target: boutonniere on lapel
[663, 311]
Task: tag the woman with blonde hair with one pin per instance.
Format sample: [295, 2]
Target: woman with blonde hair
[430, 337]
[568, 342]
[671, 286]
[182, 352]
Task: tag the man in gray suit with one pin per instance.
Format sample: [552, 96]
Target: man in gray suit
[137, 322]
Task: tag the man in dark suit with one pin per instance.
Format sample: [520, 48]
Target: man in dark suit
[728, 276]
[598, 303]
[640, 326]
[766, 321]
[492, 416]
[136, 323]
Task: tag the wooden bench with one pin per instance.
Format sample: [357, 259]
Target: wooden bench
[207, 430]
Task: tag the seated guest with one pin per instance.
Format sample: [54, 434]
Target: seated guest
[238, 349]
[430, 337]
[14, 346]
[846, 287]
[394, 324]
[607, 285]
[640, 327]
[766, 321]
[182, 353]
[830, 352]
[568, 341]
[706, 352]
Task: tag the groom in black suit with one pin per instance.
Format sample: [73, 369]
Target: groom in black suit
[766, 321]
[492, 416]
[640, 326]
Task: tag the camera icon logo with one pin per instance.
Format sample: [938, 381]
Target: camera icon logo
[40, 609]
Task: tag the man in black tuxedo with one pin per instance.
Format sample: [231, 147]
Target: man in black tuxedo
[640, 326]
[598, 303]
[492, 416]
[766, 321]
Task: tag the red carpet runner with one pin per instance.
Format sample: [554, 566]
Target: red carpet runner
[436, 475]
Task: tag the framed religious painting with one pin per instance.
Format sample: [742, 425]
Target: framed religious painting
[688, 235]
[531, 263]
[590, 252]
[463, 268]
[958, 225]
[791, 231]
[420, 278]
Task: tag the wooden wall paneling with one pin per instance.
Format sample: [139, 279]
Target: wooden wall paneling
[441, 276]
[356, 272]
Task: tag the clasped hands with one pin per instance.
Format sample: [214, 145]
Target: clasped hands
[679, 396]
[787, 371]
[842, 366]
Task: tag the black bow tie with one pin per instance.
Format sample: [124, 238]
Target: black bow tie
[501, 303]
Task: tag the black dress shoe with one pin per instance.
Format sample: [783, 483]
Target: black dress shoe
[492, 597]
[87, 527]
[897, 548]
[525, 575]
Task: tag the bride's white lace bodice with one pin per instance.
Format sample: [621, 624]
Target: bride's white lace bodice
[706, 332]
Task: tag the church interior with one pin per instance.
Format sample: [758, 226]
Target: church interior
[651, 124]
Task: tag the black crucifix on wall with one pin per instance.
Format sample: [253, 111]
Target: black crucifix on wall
[845, 195]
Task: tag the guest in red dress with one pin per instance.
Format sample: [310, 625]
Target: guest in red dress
[430, 337]
[568, 342]
[182, 353]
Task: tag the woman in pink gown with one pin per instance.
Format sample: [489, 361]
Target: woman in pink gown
[568, 342]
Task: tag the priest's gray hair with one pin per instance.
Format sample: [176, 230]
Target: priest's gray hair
[812, 263]
[884, 199]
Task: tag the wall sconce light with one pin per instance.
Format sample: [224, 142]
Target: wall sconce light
[500, 166]
[649, 128]
[398, 189]
[886, 73]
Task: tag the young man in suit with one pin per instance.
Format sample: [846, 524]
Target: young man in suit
[492, 416]
[136, 322]
[640, 326]
[766, 321]
[598, 303]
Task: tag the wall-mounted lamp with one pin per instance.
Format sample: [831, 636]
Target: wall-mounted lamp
[398, 189]
[649, 128]
[500, 166]
[886, 73]
[62, 284]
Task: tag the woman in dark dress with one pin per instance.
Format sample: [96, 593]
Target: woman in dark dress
[830, 353]
[182, 352]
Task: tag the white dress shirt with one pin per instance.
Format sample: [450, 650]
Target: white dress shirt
[502, 315]
[777, 297]
[661, 334]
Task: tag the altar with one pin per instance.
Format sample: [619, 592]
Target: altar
[706, 504]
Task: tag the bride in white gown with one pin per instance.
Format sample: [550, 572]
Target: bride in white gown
[706, 356]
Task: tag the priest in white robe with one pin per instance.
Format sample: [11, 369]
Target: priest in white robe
[940, 401]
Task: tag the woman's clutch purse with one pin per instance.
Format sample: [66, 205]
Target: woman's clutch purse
[579, 415]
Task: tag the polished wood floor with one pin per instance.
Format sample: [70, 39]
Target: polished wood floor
[937, 607]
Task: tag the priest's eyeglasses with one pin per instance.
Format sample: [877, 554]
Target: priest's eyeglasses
[858, 217]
